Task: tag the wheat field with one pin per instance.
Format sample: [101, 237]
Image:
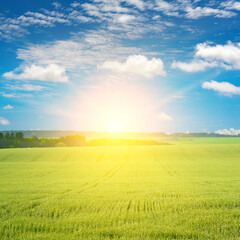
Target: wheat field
[186, 190]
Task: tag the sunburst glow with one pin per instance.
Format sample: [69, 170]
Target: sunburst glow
[113, 109]
[115, 126]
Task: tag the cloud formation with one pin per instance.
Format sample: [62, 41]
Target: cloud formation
[232, 5]
[50, 73]
[165, 117]
[136, 65]
[25, 87]
[115, 15]
[4, 121]
[79, 52]
[194, 66]
[231, 132]
[208, 56]
[8, 107]
[224, 88]
[199, 12]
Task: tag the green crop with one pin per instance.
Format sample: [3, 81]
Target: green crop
[187, 190]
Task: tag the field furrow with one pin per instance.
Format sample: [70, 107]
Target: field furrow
[181, 191]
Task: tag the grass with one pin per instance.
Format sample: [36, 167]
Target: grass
[187, 190]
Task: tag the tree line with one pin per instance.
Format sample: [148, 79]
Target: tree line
[17, 140]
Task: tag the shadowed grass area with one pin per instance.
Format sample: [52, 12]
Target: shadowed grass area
[178, 191]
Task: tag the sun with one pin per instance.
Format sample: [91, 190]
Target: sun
[115, 126]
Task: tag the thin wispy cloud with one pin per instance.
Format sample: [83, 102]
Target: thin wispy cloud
[80, 52]
[25, 87]
[232, 5]
[164, 117]
[118, 15]
[8, 107]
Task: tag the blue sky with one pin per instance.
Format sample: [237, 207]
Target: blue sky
[129, 65]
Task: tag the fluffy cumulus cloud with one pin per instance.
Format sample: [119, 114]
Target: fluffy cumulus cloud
[224, 88]
[8, 107]
[228, 54]
[208, 56]
[136, 65]
[50, 73]
[231, 131]
[165, 117]
[4, 121]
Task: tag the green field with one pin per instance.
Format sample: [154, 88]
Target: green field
[186, 190]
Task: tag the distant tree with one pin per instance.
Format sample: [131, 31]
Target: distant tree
[1, 140]
[7, 136]
[11, 140]
[74, 141]
[34, 138]
[17, 144]
[19, 136]
[60, 144]
[12, 136]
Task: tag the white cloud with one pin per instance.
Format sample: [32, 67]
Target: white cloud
[137, 65]
[56, 4]
[208, 56]
[8, 107]
[198, 12]
[230, 131]
[233, 5]
[79, 17]
[138, 3]
[106, 12]
[170, 9]
[228, 53]
[188, 9]
[26, 87]
[75, 4]
[15, 95]
[165, 117]
[111, 15]
[12, 27]
[9, 95]
[194, 66]
[124, 18]
[4, 121]
[50, 73]
[224, 88]
[80, 52]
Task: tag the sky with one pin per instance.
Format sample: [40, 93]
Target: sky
[120, 65]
